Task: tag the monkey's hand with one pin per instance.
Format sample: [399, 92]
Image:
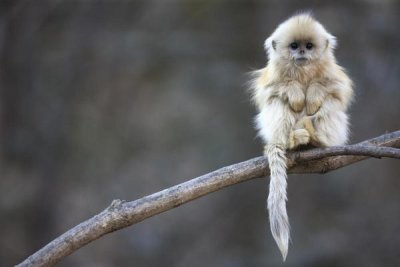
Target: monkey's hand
[315, 96]
[295, 96]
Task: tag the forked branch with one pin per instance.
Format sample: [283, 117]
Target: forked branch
[121, 214]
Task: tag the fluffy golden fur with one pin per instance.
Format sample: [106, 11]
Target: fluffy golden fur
[302, 96]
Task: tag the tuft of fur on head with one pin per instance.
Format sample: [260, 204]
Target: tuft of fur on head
[302, 28]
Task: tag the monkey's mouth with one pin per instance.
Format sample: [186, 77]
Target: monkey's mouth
[301, 60]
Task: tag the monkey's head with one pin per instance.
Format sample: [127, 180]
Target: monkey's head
[300, 40]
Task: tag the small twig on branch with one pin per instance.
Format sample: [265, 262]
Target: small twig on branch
[121, 214]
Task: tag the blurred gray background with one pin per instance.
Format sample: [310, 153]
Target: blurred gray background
[120, 99]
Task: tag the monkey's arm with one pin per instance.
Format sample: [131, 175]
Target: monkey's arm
[315, 96]
[329, 125]
[289, 92]
[336, 87]
[336, 95]
[292, 93]
[267, 87]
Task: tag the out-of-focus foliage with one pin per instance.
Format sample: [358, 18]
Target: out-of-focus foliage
[119, 99]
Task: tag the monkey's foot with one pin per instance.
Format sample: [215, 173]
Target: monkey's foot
[307, 123]
[320, 140]
[298, 137]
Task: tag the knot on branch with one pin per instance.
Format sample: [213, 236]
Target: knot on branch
[116, 204]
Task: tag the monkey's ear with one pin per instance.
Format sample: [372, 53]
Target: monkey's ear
[269, 44]
[331, 42]
[273, 43]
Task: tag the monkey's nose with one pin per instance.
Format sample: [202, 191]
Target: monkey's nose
[302, 51]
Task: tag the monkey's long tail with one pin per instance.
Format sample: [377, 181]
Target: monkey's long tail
[277, 197]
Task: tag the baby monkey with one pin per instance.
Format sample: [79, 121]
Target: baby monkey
[302, 96]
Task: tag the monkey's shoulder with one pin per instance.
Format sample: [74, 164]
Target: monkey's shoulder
[266, 78]
[338, 73]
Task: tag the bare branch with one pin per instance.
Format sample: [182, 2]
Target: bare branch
[121, 214]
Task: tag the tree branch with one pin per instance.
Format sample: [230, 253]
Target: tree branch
[121, 214]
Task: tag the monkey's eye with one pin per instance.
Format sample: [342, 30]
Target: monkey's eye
[309, 46]
[294, 45]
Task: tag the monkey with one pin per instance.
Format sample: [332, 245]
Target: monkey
[302, 97]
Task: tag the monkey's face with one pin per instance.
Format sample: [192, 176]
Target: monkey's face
[301, 52]
[299, 41]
